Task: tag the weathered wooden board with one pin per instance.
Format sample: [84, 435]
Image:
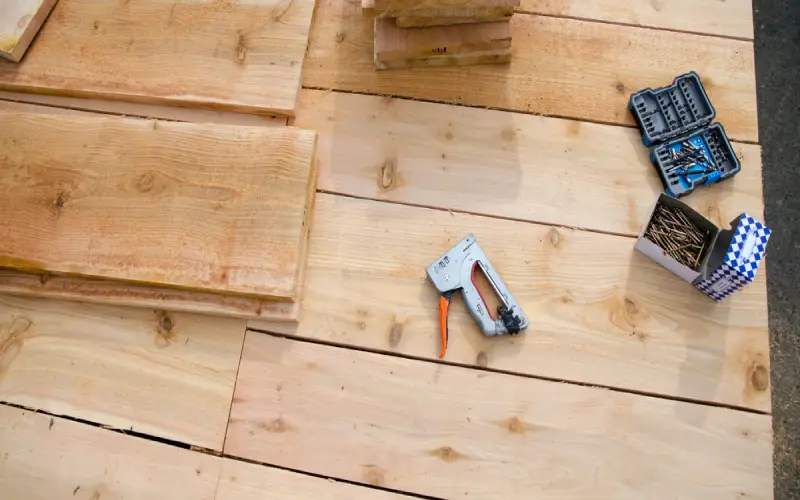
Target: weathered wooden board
[125, 199]
[600, 313]
[436, 11]
[727, 18]
[502, 164]
[245, 481]
[452, 432]
[559, 67]
[393, 43]
[20, 20]
[36, 103]
[168, 375]
[442, 4]
[424, 22]
[235, 55]
[48, 458]
[496, 56]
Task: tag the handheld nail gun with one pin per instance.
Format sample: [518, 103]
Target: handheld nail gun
[454, 271]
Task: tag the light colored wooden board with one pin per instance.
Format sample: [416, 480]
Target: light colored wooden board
[50, 458]
[20, 20]
[497, 56]
[131, 295]
[452, 432]
[559, 67]
[368, 9]
[238, 55]
[397, 44]
[503, 164]
[167, 193]
[600, 313]
[424, 22]
[168, 375]
[17, 101]
[728, 18]
[441, 4]
[245, 481]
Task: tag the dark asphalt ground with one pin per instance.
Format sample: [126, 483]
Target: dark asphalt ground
[777, 41]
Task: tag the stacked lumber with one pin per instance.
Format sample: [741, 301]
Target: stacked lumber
[175, 216]
[426, 33]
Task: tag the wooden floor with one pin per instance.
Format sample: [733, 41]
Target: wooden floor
[628, 383]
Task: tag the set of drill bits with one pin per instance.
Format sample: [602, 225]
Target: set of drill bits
[690, 160]
[679, 237]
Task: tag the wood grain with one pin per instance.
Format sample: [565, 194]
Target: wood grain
[442, 4]
[20, 21]
[47, 458]
[728, 18]
[237, 55]
[600, 313]
[245, 481]
[424, 22]
[164, 374]
[502, 164]
[452, 432]
[126, 198]
[559, 67]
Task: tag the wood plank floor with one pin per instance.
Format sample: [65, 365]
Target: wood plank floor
[627, 384]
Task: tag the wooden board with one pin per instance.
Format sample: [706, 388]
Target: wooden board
[502, 164]
[396, 44]
[20, 21]
[497, 56]
[424, 22]
[732, 18]
[559, 67]
[126, 198]
[237, 55]
[167, 375]
[47, 458]
[600, 313]
[441, 4]
[451, 432]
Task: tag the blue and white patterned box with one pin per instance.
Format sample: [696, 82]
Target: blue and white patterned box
[745, 253]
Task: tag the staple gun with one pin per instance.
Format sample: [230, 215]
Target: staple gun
[454, 271]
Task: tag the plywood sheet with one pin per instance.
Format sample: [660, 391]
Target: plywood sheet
[20, 20]
[503, 164]
[164, 374]
[728, 18]
[47, 458]
[600, 313]
[559, 67]
[237, 55]
[125, 199]
[452, 432]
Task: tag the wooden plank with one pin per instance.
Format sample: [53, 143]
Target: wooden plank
[393, 43]
[238, 55]
[34, 103]
[441, 4]
[449, 432]
[245, 481]
[568, 68]
[729, 18]
[51, 458]
[159, 189]
[20, 21]
[168, 375]
[502, 164]
[424, 22]
[600, 313]
[497, 56]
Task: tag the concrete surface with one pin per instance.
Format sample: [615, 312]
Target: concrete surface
[777, 37]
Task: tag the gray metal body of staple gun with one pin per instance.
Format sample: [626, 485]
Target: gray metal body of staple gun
[454, 271]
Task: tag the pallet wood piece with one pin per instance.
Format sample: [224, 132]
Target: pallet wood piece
[732, 18]
[244, 481]
[425, 22]
[449, 432]
[396, 44]
[47, 458]
[20, 21]
[368, 9]
[165, 374]
[158, 188]
[569, 68]
[33, 103]
[244, 56]
[502, 164]
[600, 313]
[498, 56]
[442, 4]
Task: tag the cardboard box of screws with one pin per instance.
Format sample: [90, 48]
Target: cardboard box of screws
[716, 261]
